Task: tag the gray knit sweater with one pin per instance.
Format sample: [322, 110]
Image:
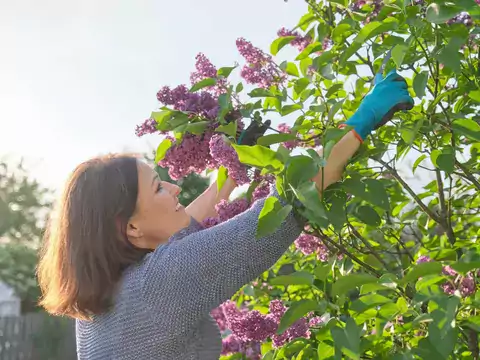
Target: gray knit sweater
[162, 309]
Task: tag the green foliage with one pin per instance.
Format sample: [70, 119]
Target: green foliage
[23, 210]
[23, 205]
[378, 303]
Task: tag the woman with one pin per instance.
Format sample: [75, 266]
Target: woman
[137, 270]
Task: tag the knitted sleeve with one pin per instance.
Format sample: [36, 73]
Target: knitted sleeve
[187, 278]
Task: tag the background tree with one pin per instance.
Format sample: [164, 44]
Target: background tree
[24, 205]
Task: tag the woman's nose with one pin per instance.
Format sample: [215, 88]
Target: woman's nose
[174, 189]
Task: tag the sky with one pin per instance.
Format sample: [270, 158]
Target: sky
[76, 77]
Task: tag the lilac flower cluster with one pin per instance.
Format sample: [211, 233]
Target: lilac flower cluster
[462, 18]
[249, 328]
[226, 210]
[284, 128]
[226, 156]
[192, 154]
[205, 69]
[309, 244]
[149, 126]
[300, 41]
[464, 284]
[260, 69]
[180, 98]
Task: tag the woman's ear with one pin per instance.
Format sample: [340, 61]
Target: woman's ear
[133, 231]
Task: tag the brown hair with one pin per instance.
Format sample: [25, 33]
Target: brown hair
[86, 248]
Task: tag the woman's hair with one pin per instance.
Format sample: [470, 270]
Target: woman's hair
[86, 248]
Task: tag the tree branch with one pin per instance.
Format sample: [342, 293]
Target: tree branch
[343, 250]
[409, 190]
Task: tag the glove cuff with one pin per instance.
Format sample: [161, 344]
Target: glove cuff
[355, 133]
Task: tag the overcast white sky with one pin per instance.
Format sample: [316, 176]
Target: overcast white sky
[77, 76]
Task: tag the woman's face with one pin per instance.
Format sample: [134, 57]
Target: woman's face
[158, 214]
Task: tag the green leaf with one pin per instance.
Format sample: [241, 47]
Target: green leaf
[222, 176]
[316, 46]
[323, 59]
[398, 54]
[440, 13]
[203, 84]
[468, 128]
[474, 95]
[444, 159]
[225, 71]
[297, 278]
[291, 69]
[420, 84]
[349, 282]
[162, 150]
[258, 156]
[347, 339]
[322, 270]
[450, 56]
[279, 43]
[423, 269]
[368, 215]
[417, 162]
[261, 93]
[229, 129]
[271, 216]
[333, 89]
[162, 118]
[370, 30]
[239, 88]
[301, 168]
[297, 310]
[288, 109]
[271, 139]
[300, 85]
[334, 109]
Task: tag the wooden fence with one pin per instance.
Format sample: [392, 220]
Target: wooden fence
[37, 336]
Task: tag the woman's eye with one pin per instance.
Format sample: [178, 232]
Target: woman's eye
[159, 187]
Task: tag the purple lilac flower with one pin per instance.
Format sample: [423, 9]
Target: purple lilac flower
[309, 244]
[149, 126]
[261, 191]
[462, 18]
[284, 128]
[315, 321]
[205, 69]
[226, 210]
[211, 221]
[203, 103]
[467, 286]
[219, 317]
[447, 270]
[423, 259]
[232, 344]
[192, 154]
[300, 41]
[249, 326]
[226, 156]
[448, 288]
[261, 69]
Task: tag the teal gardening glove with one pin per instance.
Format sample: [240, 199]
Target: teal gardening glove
[389, 95]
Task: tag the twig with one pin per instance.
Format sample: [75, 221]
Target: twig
[468, 174]
[409, 190]
[343, 250]
[445, 221]
[367, 244]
